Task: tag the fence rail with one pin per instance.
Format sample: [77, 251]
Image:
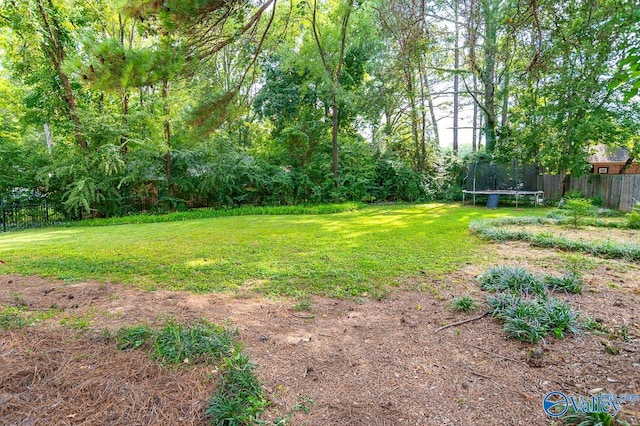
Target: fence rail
[618, 191]
[21, 215]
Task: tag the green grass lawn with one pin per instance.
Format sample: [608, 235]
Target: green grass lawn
[344, 254]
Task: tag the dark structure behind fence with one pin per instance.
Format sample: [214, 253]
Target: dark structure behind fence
[618, 192]
[489, 176]
[31, 214]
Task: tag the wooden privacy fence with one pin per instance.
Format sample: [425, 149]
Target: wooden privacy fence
[618, 191]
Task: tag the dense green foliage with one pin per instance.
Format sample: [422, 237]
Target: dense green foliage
[116, 107]
[355, 253]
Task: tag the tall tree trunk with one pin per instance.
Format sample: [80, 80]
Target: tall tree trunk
[334, 75]
[474, 142]
[414, 117]
[73, 107]
[432, 110]
[48, 137]
[124, 137]
[52, 45]
[504, 114]
[423, 116]
[166, 125]
[488, 75]
[480, 126]
[334, 132]
[456, 78]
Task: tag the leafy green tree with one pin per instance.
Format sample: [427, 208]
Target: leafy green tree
[566, 106]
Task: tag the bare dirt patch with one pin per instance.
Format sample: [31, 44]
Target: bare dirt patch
[361, 362]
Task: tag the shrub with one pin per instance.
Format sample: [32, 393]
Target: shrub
[578, 208]
[574, 194]
[559, 318]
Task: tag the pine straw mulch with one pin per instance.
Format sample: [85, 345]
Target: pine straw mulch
[362, 362]
[62, 377]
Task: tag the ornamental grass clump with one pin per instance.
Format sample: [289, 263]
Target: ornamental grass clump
[522, 301]
[512, 279]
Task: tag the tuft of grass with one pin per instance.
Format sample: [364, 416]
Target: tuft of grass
[464, 304]
[530, 320]
[590, 323]
[598, 418]
[513, 279]
[569, 283]
[560, 318]
[302, 406]
[133, 337]
[198, 342]
[12, 318]
[240, 397]
[304, 303]
[79, 322]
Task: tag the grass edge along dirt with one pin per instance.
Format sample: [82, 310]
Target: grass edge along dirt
[240, 397]
[490, 229]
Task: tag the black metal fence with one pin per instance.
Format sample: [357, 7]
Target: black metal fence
[31, 214]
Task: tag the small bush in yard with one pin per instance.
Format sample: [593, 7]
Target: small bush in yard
[578, 208]
[464, 304]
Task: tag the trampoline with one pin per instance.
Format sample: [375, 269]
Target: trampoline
[485, 177]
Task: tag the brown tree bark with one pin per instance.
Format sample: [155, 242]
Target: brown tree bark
[53, 47]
